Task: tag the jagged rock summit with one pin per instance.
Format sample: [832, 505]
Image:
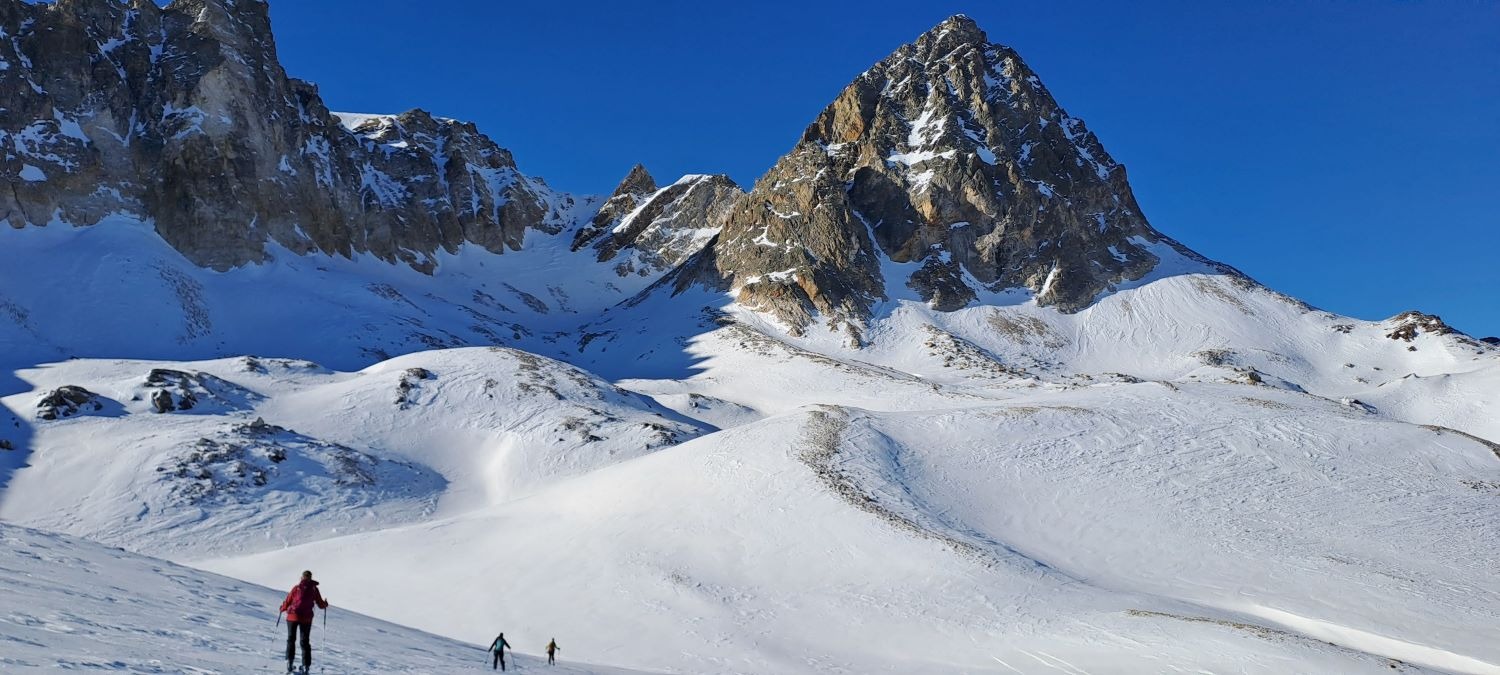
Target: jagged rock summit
[183, 116]
[645, 230]
[950, 159]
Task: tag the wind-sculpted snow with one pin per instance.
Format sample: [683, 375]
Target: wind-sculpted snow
[1124, 528]
[75, 605]
[313, 453]
[933, 397]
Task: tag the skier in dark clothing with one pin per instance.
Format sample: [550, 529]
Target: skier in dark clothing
[552, 650]
[498, 647]
[298, 607]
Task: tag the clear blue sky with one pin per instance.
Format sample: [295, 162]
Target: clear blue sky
[1345, 152]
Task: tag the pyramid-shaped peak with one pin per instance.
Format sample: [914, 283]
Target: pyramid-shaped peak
[638, 181]
[948, 155]
[956, 29]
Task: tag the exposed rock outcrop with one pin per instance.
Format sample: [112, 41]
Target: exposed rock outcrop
[67, 401]
[183, 115]
[637, 186]
[178, 391]
[1406, 326]
[949, 155]
[645, 230]
[242, 463]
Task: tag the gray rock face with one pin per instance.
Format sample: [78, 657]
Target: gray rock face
[67, 401]
[645, 230]
[638, 185]
[1407, 325]
[669, 225]
[175, 390]
[184, 115]
[949, 154]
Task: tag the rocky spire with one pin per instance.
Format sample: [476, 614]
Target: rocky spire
[638, 181]
[948, 156]
[637, 185]
[647, 230]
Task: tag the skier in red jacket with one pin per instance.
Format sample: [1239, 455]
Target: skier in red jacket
[298, 607]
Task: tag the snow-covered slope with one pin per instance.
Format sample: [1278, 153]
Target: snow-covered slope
[277, 451]
[948, 405]
[1122, 528]
[117, 290]
[1291, 527]
[73, 605]
[1189, 320]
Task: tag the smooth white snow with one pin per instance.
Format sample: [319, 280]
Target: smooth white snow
[1192, 474]
[73, 605]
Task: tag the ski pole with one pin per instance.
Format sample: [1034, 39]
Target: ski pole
[278, 618]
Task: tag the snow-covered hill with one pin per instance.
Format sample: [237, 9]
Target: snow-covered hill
[1122, 528]
[1186, 473]
[276, 451]
[74, 605]
[946, 404]
[1188, 320]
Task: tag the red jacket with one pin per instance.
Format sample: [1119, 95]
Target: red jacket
[299, 603]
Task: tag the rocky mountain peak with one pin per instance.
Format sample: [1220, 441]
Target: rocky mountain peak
[638, 181]
[635, 188]
[950, 159]
[182, 116]
[953, 32]
[244, 25]
[643, 229]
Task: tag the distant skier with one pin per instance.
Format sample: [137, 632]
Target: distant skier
[298, 606]
[498, 647]
[552, 650]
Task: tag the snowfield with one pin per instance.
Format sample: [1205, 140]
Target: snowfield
[1194, 474]
[299, 452]
[960, 539]
[686, 428]
[73, 605]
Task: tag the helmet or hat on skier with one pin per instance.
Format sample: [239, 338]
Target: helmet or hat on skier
[306, 574]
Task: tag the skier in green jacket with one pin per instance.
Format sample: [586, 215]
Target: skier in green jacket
[498, 647]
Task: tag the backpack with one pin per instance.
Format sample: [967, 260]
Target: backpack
[302, 601]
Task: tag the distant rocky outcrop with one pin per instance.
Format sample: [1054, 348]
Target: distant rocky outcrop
[1406, 326]
[244, 462]
[67, 401]
[179, 391]
[950, 158]
[644, 230]
[184, 116]
[637, 186]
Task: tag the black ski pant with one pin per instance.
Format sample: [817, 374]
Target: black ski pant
[499, 661]
[292, 629]
[550, 659]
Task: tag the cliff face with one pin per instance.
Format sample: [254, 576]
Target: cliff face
[950, 155]
[184, 115]
[644, 230]
[948, 158]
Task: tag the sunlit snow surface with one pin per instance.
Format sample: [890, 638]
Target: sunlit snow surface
[72, 605]
[1194, 474]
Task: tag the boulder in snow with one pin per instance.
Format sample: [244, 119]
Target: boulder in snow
[67, 401]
